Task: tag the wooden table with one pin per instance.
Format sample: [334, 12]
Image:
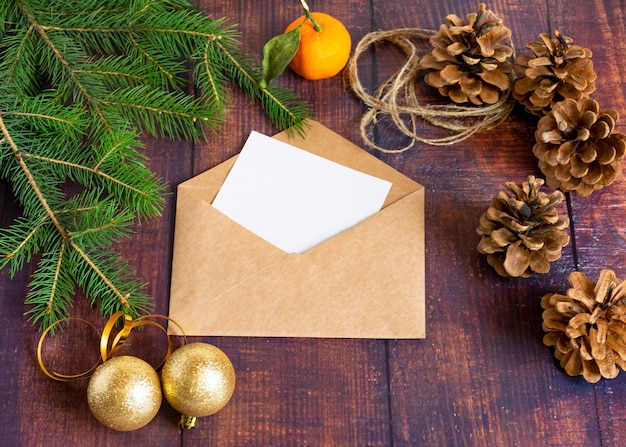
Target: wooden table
[481, 377]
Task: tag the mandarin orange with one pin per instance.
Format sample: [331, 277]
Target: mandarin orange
[322, 54]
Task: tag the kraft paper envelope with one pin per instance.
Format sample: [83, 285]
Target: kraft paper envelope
[365, 282]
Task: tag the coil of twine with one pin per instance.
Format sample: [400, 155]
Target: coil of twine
[397, 97]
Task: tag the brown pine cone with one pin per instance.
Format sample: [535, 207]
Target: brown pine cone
[587, 326]
[467, 62]
[577, 148]
[558, 70]
[523, 234]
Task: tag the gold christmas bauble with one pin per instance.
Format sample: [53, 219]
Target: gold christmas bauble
[124, 393]
[198, 380]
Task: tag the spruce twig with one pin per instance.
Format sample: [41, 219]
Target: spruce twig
[79, 82]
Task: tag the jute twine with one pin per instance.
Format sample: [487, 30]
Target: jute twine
[397, 97]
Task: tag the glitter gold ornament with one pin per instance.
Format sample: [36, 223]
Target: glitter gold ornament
[198, 380]
[124, 393]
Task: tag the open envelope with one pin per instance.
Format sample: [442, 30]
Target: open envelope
[366, 282]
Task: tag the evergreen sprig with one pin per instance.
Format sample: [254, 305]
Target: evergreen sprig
[79, 82]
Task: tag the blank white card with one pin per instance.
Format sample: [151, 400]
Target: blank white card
[294, 199]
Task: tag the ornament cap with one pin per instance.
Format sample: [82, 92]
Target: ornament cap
[198, 379]
[187, 422]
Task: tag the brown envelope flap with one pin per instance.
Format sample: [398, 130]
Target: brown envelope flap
[365, 282]
[321, 141]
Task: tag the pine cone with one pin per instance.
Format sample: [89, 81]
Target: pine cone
[522, 234]
[577, 148]
[467, 63]
[587, 326]
[557, 71]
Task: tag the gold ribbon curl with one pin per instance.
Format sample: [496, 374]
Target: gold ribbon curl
[109, 344]
[56, 375]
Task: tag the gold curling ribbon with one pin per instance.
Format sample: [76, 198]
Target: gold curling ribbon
[109, 346]
[55, 375]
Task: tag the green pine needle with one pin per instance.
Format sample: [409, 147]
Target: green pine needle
[79, 81]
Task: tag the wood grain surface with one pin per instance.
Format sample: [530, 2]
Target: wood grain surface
[482, 377]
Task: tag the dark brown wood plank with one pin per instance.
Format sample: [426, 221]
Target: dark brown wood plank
[11, 332]
[301, 392]
[599, 219]
[482, 376]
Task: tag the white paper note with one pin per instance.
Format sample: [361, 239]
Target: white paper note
[294, 199]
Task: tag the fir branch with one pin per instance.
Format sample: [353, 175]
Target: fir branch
[282, 106]
[20, 241]
[162, 113]
[210, 76]
[79, 81]
[119, 71]
[29, 177]
[165, 68]
[51, 287]
[86, 224]
[76, 166]
[103, 274]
